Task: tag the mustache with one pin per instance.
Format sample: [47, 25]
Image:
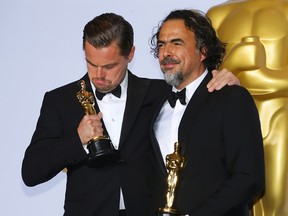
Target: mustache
[170, 60]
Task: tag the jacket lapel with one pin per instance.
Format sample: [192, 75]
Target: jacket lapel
[189, 116]
[155, 144]
[195, 104]
[136, 92]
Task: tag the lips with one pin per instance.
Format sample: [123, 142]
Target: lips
[169, 66]
[169, 63]
[99, 82]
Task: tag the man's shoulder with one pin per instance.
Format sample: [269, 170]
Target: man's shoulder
[232, 93]
[236, 89]
[156, 80]
[72, 85]
[66, 87]
[151, 82]
[65, 91]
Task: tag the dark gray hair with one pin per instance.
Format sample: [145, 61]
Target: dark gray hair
[107, 28]
[206, 40]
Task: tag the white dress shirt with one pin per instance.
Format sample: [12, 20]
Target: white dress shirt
[113, 109]
[168, 120]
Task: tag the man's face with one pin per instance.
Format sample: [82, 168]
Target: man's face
[106, 67]
[179, 59]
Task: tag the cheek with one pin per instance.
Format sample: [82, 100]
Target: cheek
[192, 57]
[159, 60]
[160, 53]
[91, 69]
[115, 77]
[91, 72]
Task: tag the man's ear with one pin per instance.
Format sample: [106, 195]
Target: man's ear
[203, 52]
[131, 54]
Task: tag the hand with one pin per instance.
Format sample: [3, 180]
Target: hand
[222, 78]
[90, 127]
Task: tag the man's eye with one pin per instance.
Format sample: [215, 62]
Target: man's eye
[109, 67]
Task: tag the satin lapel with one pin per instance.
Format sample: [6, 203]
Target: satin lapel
[136, 92]
[87, 81]
[195, 104]
[155, 144]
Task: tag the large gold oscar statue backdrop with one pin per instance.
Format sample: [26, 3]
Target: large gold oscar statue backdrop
[257, 35]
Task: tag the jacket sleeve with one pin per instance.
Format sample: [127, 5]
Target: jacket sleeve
[244, 158]
[54, 145]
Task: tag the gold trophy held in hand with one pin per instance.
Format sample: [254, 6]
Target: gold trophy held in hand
[101, 149]
[174, 164]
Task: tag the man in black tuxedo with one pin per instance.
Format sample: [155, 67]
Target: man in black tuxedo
[63, 130]
[219, 132]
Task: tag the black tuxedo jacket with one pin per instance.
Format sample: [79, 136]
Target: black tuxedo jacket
[95, 191]
[221, 140]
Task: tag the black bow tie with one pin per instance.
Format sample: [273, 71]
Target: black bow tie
[174, 96]
[116, 92]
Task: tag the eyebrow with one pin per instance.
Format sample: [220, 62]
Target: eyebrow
[172, 41]
[108, 65]
[90, 62]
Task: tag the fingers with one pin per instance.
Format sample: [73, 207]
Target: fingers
[222, 78]
[90, 127]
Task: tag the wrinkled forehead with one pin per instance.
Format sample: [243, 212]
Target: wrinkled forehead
[174, 30]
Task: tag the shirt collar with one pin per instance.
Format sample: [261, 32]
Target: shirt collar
[191, 87]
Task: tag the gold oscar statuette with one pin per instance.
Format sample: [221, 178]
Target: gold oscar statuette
[256, 53]
[101, 149]
[174, 164]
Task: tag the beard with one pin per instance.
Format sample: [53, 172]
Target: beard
[174, 79]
